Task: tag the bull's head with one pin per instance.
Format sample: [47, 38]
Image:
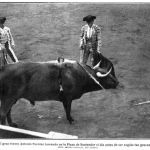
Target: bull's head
[106, 77]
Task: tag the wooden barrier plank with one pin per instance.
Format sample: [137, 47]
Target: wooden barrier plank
[10, 132]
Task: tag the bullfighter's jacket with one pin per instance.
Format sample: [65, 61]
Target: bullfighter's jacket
[95, 37]
[6, 36]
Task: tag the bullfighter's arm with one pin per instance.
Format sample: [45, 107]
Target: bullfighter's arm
[81, 45]
[11, 52]
[99, 42]
[12, 43]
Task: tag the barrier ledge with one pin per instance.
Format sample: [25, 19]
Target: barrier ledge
[13, 133]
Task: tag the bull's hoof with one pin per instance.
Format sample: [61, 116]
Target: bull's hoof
[71, 121]
[13, 125]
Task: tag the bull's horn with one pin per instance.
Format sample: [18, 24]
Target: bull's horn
[98, 64]
[103, 75]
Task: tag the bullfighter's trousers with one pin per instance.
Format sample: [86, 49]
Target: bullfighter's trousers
[3, 56]
[5, 49]
[89, 50]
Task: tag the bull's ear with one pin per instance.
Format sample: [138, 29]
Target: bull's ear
[96, 66]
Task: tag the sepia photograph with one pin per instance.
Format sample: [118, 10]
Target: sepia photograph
[74, 70]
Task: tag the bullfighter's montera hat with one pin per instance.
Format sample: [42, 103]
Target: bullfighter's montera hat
[89, 18]
[2, 19]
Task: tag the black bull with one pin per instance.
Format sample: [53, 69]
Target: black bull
[53, 80]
